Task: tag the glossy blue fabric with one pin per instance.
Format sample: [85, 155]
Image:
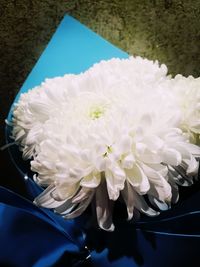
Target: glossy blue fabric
[172, 239]
[30, 236]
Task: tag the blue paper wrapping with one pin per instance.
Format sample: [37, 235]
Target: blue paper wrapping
[172, 239]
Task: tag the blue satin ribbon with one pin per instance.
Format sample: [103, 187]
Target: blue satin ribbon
[169, 240]
[133, 247]
[30, 236]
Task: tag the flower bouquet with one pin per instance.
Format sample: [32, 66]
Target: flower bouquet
[122, 129]
[116, 130]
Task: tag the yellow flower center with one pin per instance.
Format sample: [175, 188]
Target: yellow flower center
[96, 112]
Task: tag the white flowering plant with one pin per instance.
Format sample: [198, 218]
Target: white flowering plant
[122, 129]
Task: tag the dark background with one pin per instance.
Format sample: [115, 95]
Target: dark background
[166, 30]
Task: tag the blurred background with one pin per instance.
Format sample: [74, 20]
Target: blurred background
[167, 30]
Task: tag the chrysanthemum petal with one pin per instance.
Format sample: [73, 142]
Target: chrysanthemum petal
[160, 188]
[171, 156]
[80, 208]
[104, 208]
[128, 196]
[137, 178]
[82, 195]
[45, 199]
[91, 181]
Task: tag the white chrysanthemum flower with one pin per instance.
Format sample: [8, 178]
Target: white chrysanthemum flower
[112, 131]
[187, 93]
